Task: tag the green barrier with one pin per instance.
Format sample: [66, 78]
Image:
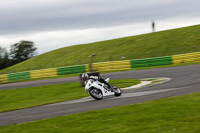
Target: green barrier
[68, 69]
[71, 72]
[166, 63]
[71, 69]
[157, 61]
[163, 63]
[19, 76]
[140, 65]
[137, 63]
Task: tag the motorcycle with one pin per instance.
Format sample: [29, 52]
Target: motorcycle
[98, 90]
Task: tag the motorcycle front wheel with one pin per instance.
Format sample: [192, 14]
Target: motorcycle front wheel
[116, 90]
[96, 94]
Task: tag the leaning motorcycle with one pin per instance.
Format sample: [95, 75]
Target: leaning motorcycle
[98, 90]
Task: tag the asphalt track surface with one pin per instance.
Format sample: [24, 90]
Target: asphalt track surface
[184, 80]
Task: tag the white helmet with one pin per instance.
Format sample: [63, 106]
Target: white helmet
[85, 76]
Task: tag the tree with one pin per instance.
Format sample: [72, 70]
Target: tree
[22, 51]
[4, 58]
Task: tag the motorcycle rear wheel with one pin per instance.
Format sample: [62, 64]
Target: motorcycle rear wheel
[116, 90]
[96, 94]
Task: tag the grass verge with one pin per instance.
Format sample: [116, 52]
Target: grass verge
[170, 115]
[34, 96]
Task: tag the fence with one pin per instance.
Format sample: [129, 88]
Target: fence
[19, 76]
[43, 73]
[148, 62]
[103, 66]
[113, 65]
[4, 78]
[71, 69]
[186, 58]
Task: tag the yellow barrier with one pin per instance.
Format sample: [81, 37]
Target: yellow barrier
[186, 58]
[113, 65]
[4, 78]
[43, 73]
[87, 68]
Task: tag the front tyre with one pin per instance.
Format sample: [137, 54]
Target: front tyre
[116, 90]
[96, 94]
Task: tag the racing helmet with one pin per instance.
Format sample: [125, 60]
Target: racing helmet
[85, 76]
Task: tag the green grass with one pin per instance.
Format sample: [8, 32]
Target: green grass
[34, 96]
[170, 42]
[171, 115]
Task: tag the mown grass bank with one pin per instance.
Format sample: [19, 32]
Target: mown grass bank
[34, 96]
[169, 42]
[171, 115]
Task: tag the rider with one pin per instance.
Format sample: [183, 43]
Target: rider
[86, 77]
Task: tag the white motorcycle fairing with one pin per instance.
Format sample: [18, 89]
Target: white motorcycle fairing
[100, 86]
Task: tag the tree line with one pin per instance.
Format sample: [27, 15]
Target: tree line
[18, 52]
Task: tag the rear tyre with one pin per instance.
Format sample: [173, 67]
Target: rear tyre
[116, 90]
[96, 94]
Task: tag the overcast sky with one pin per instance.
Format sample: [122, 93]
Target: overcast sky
[53, 24]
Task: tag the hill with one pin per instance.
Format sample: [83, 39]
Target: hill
[169, 42]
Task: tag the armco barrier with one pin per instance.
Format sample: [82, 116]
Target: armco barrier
[4, 78]
[113, 65]
[19, 76]
[71, 69]
[186, 58]
[148, 62]
[139, 63]
[87, 68]
[103, 66]
[51, 72]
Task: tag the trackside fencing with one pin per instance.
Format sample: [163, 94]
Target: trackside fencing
[113, 65]
[71, 69]
[4, 78]
[19, 76]
[148, 62]
[43, 73]
[186, 58]
[103, 66]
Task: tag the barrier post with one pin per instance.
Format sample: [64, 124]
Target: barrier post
[91, 61]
